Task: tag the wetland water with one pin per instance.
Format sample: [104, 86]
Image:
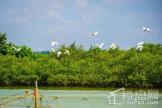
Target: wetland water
[81, 98]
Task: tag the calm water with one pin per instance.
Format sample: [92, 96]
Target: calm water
[81, 98]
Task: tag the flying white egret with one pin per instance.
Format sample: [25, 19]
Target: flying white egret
[98, 45]
[146, 29]
[139, 46]
[67, 52]
[113, 46]
[53, 44]
[101, 45]
[59, 53]
[140, 43]
[94, 33]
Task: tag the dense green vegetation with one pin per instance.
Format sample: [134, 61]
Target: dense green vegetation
[94, 67]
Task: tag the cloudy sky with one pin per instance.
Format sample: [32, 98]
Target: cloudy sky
[36, 23]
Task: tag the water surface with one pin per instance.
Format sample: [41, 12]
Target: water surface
[71, 98]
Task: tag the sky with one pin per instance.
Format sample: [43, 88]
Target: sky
[36, 23]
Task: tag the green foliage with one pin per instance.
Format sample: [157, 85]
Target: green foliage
[94, 67]
[3, 43]
[12, 49]
[3, 39]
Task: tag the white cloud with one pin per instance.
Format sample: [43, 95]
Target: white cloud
[81, 3]
[39, 10]
[22, 19]
[48, 4]
[23, 16]
[54, 13]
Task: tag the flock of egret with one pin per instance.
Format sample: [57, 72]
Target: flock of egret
[65, 52]
[55, 48]
[55, 45]
[139, 46]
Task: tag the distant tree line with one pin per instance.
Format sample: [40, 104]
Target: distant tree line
[95, 67]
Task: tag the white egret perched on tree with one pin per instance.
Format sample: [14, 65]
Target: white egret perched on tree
[53, 50]
[59, 53]
[146, 29]
[139, 47]
[16, 49]
[67, 52]
[114, 46]
[55, 46]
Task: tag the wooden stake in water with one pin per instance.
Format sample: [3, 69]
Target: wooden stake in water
[36, 94]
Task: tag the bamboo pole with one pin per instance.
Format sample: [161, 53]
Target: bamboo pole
[36, 94]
